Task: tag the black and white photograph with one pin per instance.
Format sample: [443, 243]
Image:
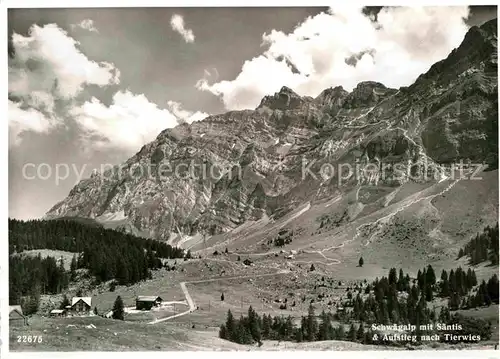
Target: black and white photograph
[302, 178]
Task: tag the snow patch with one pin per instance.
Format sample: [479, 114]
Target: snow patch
[112, 216]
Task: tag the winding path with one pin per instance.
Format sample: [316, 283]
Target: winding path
[190, 301]
[384, 219]
[381, 220]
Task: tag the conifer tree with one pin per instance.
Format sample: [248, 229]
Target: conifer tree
[361, 262]
[311, 325]
[468, 279]
[31, 304]
[414, 293]
[444, 275]
[454, 301]
[407, 283]
[253, 325]
[392, 276]
[474, 278]
[65, 302]
[428, 293]
[118, 309]
[325, 327]
[289, 328]
[340, 332]
[351, 335]
[223, 332]
[401, 280]
[244, 335]
[360, 334]
[73, 267]
[230, 328]
[299, 337]
[385, 313]
[266, 326]
[452, 281]
[445, 284]
[492, 288]
[430, 275]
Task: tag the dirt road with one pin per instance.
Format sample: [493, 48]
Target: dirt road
[190, 301]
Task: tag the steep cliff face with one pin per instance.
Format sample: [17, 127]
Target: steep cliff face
[213, 175]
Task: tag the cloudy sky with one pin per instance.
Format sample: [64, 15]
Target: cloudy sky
[89, 87]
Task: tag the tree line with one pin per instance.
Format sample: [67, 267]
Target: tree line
[105, 253]
[483, 247]
[29, 277]
[485, 295]
[73, 236]
[398, 299]
[253, 328]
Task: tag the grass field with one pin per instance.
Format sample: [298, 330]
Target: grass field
[66, 256]
[72, 334]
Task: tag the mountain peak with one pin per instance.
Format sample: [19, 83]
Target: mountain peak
[332, 96]
[288, 90]
[367, 93]
[369, 84]
[286, 98]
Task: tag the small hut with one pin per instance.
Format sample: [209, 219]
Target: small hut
[58, 313]
[144, 302]
[16, 316]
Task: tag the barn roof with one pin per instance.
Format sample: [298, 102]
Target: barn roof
[16, 308]
[86, 300]
[148, 298]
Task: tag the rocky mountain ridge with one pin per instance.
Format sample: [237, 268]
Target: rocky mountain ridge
[214, 175]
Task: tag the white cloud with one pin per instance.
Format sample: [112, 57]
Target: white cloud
[26, 119]
[48, 60]
[86, 24]
[130, 122]
[406, 42]
[48, 67]
[183, 115]
[244, 91]
[177, 23]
